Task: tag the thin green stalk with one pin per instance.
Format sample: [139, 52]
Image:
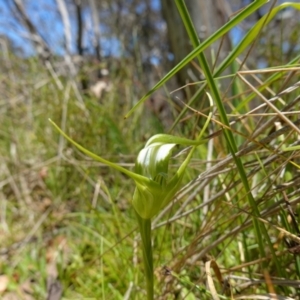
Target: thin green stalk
[145, 231]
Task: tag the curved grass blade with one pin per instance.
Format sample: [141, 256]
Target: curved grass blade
[218, 34]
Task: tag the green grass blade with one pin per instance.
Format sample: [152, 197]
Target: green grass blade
[214, 37]
[259, 227]
[252, 35]
[249, 37]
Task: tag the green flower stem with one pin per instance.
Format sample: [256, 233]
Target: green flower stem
[145, 231]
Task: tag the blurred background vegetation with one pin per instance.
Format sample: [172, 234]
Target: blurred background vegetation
[67, 230]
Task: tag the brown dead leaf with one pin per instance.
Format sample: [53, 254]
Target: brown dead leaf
[4, 280]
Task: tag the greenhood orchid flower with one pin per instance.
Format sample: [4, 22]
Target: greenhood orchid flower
[153, 163]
